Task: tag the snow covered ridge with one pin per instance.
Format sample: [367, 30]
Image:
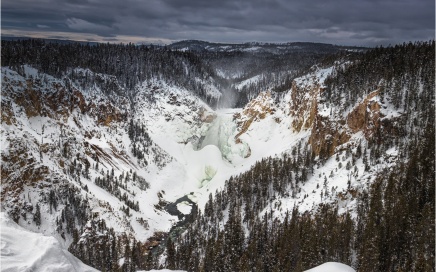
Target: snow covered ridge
[343, 143]
[22, 250]
[258, 47]
[50, 128]
[331, 267]
[92, 164]
[301, 117]
[81, 161]
[73, 135]
[172, 117]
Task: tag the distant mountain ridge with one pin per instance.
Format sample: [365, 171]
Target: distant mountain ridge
[60, 41]
[260, 47]
[199, 46]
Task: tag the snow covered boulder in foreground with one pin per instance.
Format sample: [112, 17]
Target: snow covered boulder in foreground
[332, 267]
[22, 250]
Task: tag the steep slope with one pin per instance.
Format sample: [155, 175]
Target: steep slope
[115, 171]
[53, 133]
[60, 136]
[350, 139]
[81, 161]
[33, 251]
[294, 122]
[336, 134]
[243, 70]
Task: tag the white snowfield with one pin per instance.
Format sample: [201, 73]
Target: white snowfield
[22, 250]
[332, 267]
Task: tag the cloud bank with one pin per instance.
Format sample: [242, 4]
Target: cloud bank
[363, 22]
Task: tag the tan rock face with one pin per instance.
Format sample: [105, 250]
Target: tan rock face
[256, 109]
[326, 136]
[7, 114]
[365, 116]
[19, 169]
[206, 116]
[304, 105]
[30, 102]
[327, 133]
[107, 114]
[60, 104]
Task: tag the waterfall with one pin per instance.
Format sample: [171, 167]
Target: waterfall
[221, 134]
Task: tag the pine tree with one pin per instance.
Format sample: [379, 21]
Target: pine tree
[37, 216]
[171, 252]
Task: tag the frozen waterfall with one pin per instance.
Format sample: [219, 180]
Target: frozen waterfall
[221, 134]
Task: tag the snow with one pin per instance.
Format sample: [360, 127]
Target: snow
[184, 207]
[198, 170]
[252, 49]
[332, 267]
[33, 131]
[220, 134]
[316, 77]
[247, 82]
[201, 155]
[220, 73]
[22, 250]
[210, 89]
[388, 111]
[274, 135]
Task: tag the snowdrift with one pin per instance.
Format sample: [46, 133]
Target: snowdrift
[332, 267]
[22, 250]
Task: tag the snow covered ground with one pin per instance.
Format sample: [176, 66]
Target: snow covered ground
[247, 82]
[201, 151]
[22, 250]
[198, 142]
[332, 267]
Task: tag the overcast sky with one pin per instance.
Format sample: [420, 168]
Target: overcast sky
[345, 22]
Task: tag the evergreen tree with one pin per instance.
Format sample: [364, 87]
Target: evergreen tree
[37, 215]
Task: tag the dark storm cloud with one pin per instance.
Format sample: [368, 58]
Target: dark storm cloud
[362, 22]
